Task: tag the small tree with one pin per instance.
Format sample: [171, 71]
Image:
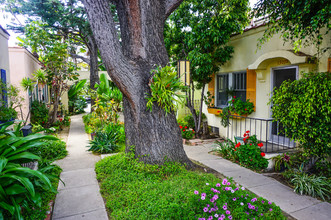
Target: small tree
[202, 30]
[304, 108]
[53, 53]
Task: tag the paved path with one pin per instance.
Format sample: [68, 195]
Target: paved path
[299, 207]
[80, 197]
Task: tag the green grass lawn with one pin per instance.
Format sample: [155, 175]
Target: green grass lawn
[134, 190]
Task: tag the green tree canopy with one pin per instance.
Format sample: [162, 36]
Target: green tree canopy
[200, 31]
[302, 22]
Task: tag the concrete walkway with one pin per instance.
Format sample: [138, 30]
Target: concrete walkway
[80, 197]
[299, 207]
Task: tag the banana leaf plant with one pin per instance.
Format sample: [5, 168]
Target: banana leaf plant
[18, 184]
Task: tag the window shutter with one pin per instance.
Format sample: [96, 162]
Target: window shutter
[251, 86]
[211, 88]
[4, 81]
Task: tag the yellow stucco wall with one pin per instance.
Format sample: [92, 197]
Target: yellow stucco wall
[273, 54]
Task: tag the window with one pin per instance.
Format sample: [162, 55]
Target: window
[3, 92]
[230, 84]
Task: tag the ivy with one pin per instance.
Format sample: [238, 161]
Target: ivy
[304, 108]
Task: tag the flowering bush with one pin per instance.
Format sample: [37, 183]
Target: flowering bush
[187, 133]
[229, 201]
[248, 154]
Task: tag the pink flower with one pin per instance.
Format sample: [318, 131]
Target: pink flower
[196, 192]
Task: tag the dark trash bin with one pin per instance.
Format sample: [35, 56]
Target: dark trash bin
[27, 129]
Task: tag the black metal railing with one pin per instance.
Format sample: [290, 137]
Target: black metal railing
[270, 133]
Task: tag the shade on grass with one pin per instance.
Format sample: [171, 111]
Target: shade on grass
[134, 190]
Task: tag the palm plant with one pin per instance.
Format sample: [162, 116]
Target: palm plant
[17, 183]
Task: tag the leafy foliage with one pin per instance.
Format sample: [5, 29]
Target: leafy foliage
[17, 183]
[303, 107]
[104, 142]
[190, 120]
[247, 154]
[50, 151]
[282, 162]
[165, 89]
[236, 106]
[39, 113]
[200, 31]
[312, 185]
[300, 22]
[124, 180]
[7, 113]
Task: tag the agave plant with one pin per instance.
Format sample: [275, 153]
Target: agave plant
[104, 142]
[17, 183]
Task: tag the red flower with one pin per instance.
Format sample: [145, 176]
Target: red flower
[244, 139]
[185, 126]
[232, 100]
[260, 144]
[218, 111]
[61, 119]
[43, 122]
[184, 130]
[180, 127]
[235, 150]
[245, 135]
[192, 130]
[247, 131]
[237, 145]
[234, 97]
[262, 154]
[245, 109]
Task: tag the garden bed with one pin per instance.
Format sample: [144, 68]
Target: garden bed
[132, 189]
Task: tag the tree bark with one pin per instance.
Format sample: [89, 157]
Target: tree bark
[155, 135]
[94, 75]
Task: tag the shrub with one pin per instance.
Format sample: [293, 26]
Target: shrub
[248, 154]
[282, 162]
[19, 184]
[186, 132]
[7, 113]
[118, 129]
[190, 121]
[39, 113]
[104, 142]
[135, 190]
[303, 107]
[312, 185]
[50, 151]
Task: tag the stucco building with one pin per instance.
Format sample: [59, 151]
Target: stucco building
[252, 74]
[22, 65]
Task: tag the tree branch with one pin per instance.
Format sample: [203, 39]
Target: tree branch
[171, 6]
[86, 60]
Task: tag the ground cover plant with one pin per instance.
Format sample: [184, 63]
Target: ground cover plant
[135, 190]
[248, 154]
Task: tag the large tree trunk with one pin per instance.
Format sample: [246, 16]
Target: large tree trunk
[155, 135]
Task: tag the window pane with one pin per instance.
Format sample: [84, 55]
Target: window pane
[239, 85]
[222, 86]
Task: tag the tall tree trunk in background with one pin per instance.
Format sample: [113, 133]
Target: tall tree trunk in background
[94, 75]
[155, 135]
